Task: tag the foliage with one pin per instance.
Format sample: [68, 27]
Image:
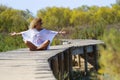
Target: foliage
[82, 23]
[9, 43]
[56, 41]
[55, 18]
[110, 57]
[118, 2]
[12, 20]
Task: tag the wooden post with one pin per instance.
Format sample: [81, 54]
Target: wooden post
[66, 64]
[86, 59]
[61, 65]
[95, 52]
[79, 61]
[70, 65]
[54, 66]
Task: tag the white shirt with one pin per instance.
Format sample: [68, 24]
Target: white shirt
[38, 37]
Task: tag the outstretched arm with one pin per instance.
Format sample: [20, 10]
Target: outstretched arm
[62, 32]
[15, 33]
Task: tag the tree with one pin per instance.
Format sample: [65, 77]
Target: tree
[110, 55]
[12, 20]
[118, 2]
[3, 8]
[55, 18]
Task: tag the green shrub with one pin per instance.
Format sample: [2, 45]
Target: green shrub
[9, 43]
[110, 55]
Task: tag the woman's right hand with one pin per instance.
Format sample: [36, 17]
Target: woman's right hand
[13, 34]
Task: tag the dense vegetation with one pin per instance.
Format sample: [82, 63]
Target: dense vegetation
[110, 56]
[83, 23]
[12, 20]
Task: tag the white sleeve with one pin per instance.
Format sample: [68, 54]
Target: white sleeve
[26, 35]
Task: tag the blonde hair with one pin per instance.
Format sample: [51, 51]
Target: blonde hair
[34, 22]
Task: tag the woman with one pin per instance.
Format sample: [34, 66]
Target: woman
[37, 38]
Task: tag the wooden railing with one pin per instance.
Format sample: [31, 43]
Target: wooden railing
[61, 63]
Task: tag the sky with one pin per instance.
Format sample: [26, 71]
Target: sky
[35, 5]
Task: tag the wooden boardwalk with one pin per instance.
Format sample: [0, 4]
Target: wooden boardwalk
[23, 64]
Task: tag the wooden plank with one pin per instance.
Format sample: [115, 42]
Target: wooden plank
[24, 66]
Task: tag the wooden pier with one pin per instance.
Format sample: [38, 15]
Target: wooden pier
[52, 64]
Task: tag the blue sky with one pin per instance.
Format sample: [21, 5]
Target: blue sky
[35, 5]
